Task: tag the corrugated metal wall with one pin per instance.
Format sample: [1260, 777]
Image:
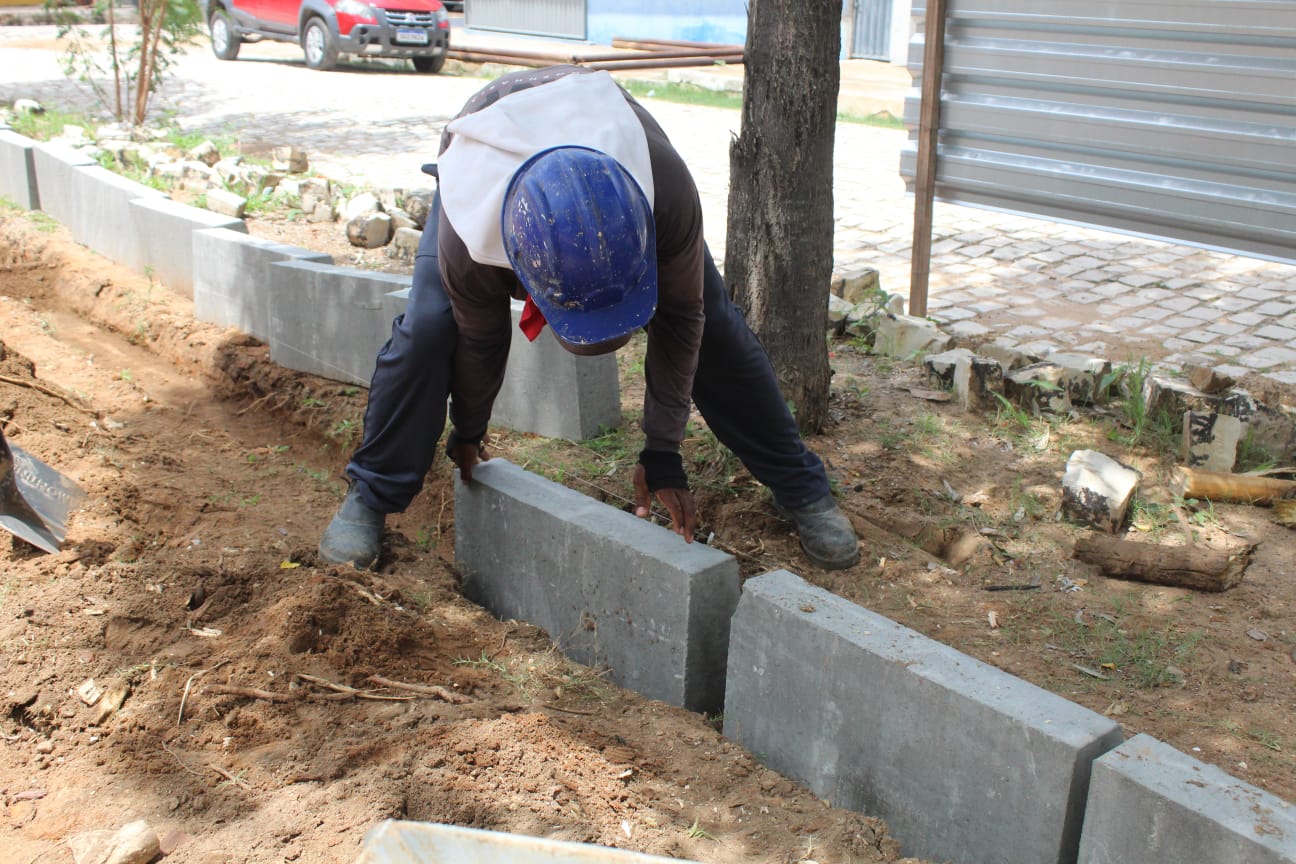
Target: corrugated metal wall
[562, 18]
[1170, 118]
[872, 37]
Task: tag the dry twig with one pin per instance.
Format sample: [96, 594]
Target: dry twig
[352, 692]
[40, 388]
[188, 684]
[436, 691]
[251, 693]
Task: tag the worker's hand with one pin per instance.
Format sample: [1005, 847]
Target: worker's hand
[466, 455]
[678, 502]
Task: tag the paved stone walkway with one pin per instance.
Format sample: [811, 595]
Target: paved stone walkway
[1034, 283]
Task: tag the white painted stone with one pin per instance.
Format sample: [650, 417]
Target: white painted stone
[1082, 375]
[1097, 490]
[1175, 396]
[858, 286]
[1210, 440]
[1009, 357]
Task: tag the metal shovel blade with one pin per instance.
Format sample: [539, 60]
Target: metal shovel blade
[34, 498]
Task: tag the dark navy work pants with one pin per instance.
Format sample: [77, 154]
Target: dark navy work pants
[734, 388]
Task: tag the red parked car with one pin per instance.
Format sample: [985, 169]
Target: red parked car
[417, 29]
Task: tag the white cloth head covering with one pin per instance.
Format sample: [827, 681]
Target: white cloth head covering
[586, 109]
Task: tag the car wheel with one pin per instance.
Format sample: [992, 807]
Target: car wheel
[429, 64]
[319, 45]
[224, 38]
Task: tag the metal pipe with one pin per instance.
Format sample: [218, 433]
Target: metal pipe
[661, 44]
[666, 54]
[736, 60]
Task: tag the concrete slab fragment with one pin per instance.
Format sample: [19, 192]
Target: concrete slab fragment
[1152, 804]
[395, 842]
[329, 320]
[611, 589]
[547, 390]
[165, 230]
[18, 170]
[965, 762]
[233, 278]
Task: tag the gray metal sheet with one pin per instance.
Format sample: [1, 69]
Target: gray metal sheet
[1174, 120]
[561, 18]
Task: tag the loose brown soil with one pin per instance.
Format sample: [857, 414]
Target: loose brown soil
[191, 574]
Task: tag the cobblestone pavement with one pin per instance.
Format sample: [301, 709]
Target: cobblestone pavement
[1039, 284]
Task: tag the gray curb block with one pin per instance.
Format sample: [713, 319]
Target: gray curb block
[611, 589]
[964, 761]
[1149, 802]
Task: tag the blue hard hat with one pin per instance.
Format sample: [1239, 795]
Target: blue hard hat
[579, 233]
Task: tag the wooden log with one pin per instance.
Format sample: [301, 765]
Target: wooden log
[1219, 486]
[1181, 566]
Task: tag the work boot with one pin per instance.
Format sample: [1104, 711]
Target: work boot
[355, 534]
[826, 534]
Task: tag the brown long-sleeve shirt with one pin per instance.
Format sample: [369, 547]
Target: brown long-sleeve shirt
[480, 293]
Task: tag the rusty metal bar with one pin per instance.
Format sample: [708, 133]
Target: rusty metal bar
[680, 62]
[664, 44]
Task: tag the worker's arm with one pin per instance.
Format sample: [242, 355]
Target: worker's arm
[479, 297]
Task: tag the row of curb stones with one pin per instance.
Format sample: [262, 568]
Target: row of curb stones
[391, 218]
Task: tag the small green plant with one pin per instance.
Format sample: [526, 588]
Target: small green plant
[1016, 415]
[697, 832]
[312, 402]
[1252, 456]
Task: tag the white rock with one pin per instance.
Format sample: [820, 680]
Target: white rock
[943, 366]
[205, 152]
[28, 106]
[135, 843]
[906, 336]
[1097, 490]
[289, 159]
[362, 204]
[404, 244]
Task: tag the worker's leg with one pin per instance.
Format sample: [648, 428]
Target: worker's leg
[738, 394]
[407, 398]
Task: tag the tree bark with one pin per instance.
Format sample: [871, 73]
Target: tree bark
[1181, 566]
[779, 246]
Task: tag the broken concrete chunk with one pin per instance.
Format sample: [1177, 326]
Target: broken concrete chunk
[1175, 397]
[1009, 357]
[1269, 430]
[1210, 440]
[418, 204]
[941, 367]
[1097, 490]
[112, 699]
[369, 230]
[838, 314]
[906, 336]
[977, 381]
[134, 843]
[289, 159]
[404, 244]
[1208, 380]
[858, 286]
[1037, 389]
[205, 152]
[226, 203]
[361, 205]
[89, 691]
[1082, 376]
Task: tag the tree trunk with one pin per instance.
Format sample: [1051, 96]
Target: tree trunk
[779, 246]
